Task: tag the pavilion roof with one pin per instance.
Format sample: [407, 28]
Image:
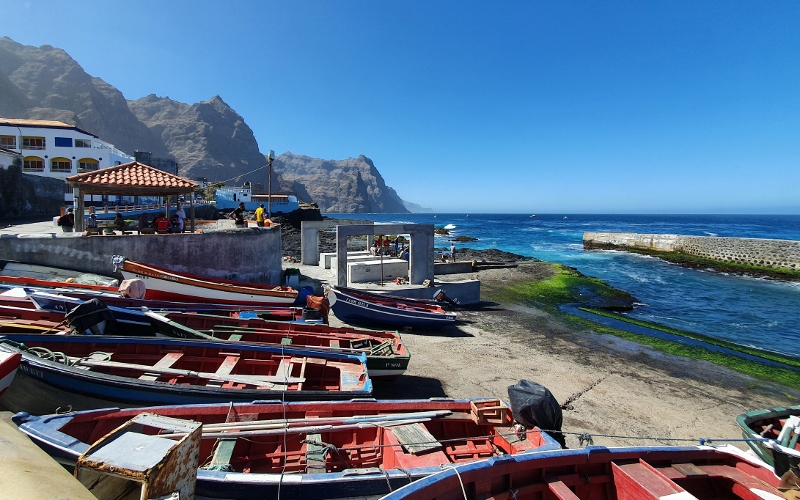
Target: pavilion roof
[131, 179]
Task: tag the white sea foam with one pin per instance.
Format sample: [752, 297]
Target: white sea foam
[450, 226]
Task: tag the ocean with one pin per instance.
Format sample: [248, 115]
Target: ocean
[748, 311]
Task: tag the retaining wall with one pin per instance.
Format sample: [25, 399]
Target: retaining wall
[251, 255]
[776, 254]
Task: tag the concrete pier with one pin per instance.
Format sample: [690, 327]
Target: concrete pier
[769, 253]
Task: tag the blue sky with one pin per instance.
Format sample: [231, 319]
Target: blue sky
[465, 106]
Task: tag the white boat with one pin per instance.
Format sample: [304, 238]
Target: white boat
[163, 284]
[228, 198]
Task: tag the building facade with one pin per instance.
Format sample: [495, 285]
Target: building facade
[58, 150]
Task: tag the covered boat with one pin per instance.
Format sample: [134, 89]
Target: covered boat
[773, 434]
[360, 307]
[344, 449]
[86, 372]
[163, 284]
[599, 473]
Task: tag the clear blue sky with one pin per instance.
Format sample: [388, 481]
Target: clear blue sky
[464, 106]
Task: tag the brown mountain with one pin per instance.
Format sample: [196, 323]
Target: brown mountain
[207, 139]
[353, 185]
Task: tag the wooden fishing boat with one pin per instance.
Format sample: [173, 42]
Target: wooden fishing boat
[598, 473]
[360, 307]
[344, 449]
[163, 284]
[86, 372]
[773, 434]
[387, 355]
[9, 362]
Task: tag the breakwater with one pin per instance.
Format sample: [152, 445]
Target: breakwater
[767, 253]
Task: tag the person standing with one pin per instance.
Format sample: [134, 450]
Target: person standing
[452, 252]
[181, 213]
[238, 215]
[260, 215]
[67, 221]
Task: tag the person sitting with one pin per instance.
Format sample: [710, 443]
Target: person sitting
[267, 220]
[177, 224]
[161, 223]
[143, 222]
[119, 222]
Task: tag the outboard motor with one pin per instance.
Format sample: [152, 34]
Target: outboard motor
[91, 318]
[533, 405]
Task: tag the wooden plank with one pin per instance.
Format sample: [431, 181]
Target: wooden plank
[225, 368]
[562, 491]
[416, 439]
[168, 360]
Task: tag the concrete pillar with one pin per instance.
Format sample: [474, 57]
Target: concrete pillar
[309, 239]
[420, 248]
[77, 197]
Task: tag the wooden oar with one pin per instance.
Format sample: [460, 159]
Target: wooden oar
[259, 380]
[277, 423]
[308, 429]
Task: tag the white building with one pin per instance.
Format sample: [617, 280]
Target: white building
[58, 150]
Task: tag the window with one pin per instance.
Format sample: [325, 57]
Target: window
[8, 141]
[60, 165]
[87, 164]
[32, 164]
[63, 142]
[83, 143]
[33, 143]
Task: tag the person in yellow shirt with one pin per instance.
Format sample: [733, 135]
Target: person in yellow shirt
[260, 215]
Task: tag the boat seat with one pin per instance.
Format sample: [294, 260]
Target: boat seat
[427, 450]
[167, 361]
[646, 483]
[225, 368]
[561, 491]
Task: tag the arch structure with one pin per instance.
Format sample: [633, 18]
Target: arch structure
[420, 248]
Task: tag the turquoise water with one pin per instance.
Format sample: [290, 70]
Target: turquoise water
[748, 311]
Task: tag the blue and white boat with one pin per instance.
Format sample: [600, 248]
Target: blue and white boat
[361, 307]
[85, 372]
[228, 198]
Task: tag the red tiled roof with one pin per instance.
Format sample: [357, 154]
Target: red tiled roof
[132, 178]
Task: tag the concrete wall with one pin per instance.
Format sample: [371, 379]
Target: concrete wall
[252, 255]
[781, 254]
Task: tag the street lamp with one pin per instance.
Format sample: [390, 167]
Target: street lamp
[270, 157]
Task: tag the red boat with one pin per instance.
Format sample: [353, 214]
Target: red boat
[346, 449]
[599, 473]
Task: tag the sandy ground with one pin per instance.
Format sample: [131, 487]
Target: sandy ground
[618, 392]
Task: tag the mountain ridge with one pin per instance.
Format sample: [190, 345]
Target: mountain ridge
[208, 139]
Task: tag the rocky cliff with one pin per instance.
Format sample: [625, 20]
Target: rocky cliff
[207, 139]
[353, 185]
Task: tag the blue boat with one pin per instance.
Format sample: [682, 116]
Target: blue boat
[361, 307]
[313, 450]
[85, 372]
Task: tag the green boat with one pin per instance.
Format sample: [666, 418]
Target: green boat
[780, 449]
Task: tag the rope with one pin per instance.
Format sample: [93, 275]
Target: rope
[458, 475]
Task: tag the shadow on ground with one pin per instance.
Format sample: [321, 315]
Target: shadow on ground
[408, 387]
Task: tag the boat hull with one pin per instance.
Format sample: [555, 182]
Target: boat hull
[599, 473]
[162, 284]
[43, 386]
[761, 428]
[358, 310]
[373, 470]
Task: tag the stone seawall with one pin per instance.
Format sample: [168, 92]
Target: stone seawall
[773, 254]
[252, 254]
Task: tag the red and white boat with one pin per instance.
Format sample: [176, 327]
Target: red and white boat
[163, 284]
[9, 362]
